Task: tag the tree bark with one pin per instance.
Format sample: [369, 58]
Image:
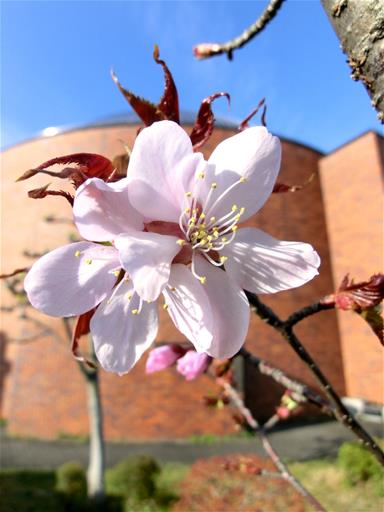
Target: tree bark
[96, 465]
[359, 24]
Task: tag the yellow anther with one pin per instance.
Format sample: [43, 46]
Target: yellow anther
[202, 226]
[203, 241]
[192, 222]
[242, 210]
[214, 185]
[202, 216]
[243, 179]
[209, 238]
[194, 211]
[149, 302]
[129, 296]
[202, 279]
[216, 234]
[237, 217]
[201, 175]
[210, 245]
[234, 228]
[165, 306]
[234, 207]
[88, 261]
[77, 254]
[223, 259]
[180, 242]
[135, 311]
[188, 194]
[224, 239]
[116, 273]
[212, 219]
[187, 210]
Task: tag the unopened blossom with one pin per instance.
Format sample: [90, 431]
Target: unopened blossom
[163, 357]
[193, 364]
[175, 235]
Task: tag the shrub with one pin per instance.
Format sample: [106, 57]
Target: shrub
[134, 478]
[71, 479]
[359, 465]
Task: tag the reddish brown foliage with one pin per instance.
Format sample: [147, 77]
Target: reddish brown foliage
[204, 123]
[233, 483]
[88, 165]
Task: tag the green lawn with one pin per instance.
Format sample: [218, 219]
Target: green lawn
[34, 491]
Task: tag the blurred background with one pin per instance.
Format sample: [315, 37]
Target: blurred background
[57, 98]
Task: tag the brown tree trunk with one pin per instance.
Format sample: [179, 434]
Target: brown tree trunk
[359, 24]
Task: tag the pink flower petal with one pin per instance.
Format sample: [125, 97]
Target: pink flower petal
[193, 364]
[163, 357]
[229, 309]
[153, 165]
[72, 279]
[120, 336]
[253, 154]
[102, 210]
[260, 263]
[188, 307]
[147, 258]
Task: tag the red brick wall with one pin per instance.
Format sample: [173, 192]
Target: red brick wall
[44, 394]
[352, 183]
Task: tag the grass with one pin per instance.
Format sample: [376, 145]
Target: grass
[34, 491]
[325, 480]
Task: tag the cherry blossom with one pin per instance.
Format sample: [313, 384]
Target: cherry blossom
[173, 229]
[193, 364]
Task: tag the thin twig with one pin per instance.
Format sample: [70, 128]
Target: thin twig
[340, 411]
[257, 429]
[206, 50]
[301, 390]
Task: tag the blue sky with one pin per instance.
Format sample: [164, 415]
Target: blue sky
[56, 57]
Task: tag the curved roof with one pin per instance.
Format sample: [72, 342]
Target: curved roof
[187, 118]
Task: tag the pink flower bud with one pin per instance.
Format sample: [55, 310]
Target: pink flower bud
[163, 357]
[192, 364]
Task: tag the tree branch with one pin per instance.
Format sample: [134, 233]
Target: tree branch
[359, 24]
[206, 50]
[340, 411]
[257, 429]
[298, 388]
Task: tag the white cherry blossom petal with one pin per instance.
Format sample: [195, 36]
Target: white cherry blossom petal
[247, 165]
[152, 168]
[229, 308]
[72, 279]
[102, 210]
[260, 263]
[123, 328]
[147, 258]
[189, 308]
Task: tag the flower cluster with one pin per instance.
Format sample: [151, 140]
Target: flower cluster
[171, 231]
[189, 363]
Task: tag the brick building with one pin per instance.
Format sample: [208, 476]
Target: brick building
[42, 391]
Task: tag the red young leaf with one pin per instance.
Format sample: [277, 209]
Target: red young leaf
[14, 273]
[81, 329]
[359, 296]
[363, 298]
[245, 123]
[373, 317]
[282, 187]
[169, 102]
[40, 193]
[203, 127]
[89, 165]
[147, 111]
